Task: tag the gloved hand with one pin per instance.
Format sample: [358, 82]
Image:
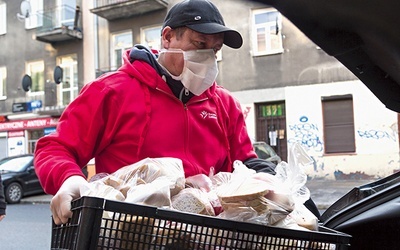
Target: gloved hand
[60, 204]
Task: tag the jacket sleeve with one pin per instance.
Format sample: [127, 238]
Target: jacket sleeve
[79, 135]
[2, 199]
[260, 165]
[240, 145]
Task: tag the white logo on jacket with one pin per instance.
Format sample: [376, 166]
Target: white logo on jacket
[204, 114]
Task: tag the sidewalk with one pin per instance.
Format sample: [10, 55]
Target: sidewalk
[323, 192]
[326, 192]
[37, 199]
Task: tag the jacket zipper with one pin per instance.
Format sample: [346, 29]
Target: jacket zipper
[185, 105]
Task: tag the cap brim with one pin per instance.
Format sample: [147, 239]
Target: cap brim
[232, 38]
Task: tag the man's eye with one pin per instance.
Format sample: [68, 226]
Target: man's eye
[199, 45]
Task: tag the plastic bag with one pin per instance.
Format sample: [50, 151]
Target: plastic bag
[205, 185]
[292, 174]
[151, 181]
[272, 199]
[193, 200]
[252, 193]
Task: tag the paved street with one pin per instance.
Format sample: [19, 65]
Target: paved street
[26, 226]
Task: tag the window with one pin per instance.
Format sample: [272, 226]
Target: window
[151, 37]
[68, 88]
[35, 19]
[3, 18]
[36, 71]
[266, 32]
[67, 12]
[3, 80]
[33, 137]
[338, 119]
[120, 43]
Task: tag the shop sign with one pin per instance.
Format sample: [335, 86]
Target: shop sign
[47, 131]
[16, 134]
[29, 124]
[19, 107]
[26, 106]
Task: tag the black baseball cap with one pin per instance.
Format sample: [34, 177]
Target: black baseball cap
[204, 17]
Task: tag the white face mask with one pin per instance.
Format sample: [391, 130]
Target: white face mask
[199, 71]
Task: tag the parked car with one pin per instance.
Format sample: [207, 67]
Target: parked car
[266, 152]
[364, 37]
[19, 178]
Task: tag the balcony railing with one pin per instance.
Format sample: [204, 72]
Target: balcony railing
[59, 24]
[118, 9]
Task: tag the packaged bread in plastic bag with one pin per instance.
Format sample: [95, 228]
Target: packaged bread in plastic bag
[275, 200]
[151, 181]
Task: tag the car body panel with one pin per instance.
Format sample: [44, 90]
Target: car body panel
[370, 213]
[266, 152]
[26, 177]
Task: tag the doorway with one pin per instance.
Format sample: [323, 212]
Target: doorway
[271, 126]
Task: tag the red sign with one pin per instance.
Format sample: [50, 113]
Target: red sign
[16, 134]
[29, 124]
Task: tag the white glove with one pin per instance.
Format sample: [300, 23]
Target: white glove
[60, 204]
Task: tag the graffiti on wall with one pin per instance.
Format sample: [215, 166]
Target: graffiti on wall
[246, 112]
[380, 134]
[376, 134]
[307, 134]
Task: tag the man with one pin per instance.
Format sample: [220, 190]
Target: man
[165, 107]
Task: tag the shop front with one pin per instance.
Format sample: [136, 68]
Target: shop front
[20, 136]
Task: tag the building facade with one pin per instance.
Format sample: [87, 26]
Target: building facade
[290, 90]
[41, 67]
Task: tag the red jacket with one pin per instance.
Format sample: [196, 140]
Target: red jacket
[128, 115]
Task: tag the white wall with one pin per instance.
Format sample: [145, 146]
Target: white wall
[376, 135]
[249, 97]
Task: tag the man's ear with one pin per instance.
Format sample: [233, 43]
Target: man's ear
[166, 37]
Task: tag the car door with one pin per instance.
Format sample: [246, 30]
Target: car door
[30, 180]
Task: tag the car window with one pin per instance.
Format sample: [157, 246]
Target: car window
[263, 151]
[15, 164]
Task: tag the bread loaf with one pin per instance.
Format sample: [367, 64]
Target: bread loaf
[192, 200]
[249, 192]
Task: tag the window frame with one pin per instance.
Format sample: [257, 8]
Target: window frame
[65, 6]
[34, 20]
[3, 18]
[28, 69]
[3, 83]
[69, 64]
[156, 41]
[338, 124]
[122, 48]
[269, 50]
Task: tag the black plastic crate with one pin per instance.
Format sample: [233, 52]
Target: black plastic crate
[104, 224]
